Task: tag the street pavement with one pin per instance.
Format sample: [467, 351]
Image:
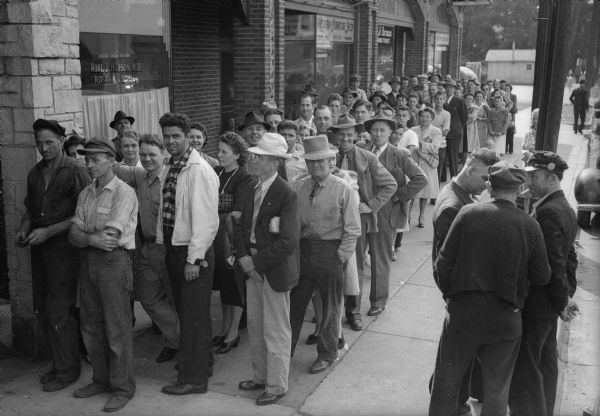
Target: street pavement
[384, 370]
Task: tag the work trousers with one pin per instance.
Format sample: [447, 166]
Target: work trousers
[192, 300]
[153, 288]
[54, 275]
[106, 283]
[510, 138]
[579, 113]
[320, 268]
[441, 168]
[270, 334]
[533, 387]
[452, 145]
[483, 324]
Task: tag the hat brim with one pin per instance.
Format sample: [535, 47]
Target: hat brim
[243, 126]
[131, 121]
[258, 151]
[369, 123]
[96, 150]
[325, 154]
[314, 94]
[531, 168]
[358, 126]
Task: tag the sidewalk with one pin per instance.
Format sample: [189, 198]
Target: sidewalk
[384, 371]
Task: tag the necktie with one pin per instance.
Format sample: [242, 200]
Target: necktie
[315, 191]
[257, 201]
[345, 162]
[377, 151]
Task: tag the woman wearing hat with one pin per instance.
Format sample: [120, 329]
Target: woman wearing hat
[426, 156]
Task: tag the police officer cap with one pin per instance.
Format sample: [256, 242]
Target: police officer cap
[506, 176]
[546, 160]
[52, 125]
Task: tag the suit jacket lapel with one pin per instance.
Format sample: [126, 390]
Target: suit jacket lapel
[269, 198]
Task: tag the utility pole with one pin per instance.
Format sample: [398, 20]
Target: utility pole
[593, 55]
[551, 69]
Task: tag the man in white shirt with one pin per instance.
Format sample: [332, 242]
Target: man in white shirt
[307, 107]
[403, 136]
[442, 122]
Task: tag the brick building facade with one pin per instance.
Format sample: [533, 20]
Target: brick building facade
[212, 59]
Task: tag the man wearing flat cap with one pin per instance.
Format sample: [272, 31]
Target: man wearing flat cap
[266, 243]
[484, 292]
[104, 228]
[53, 186]
[330, 227]
[121, 123]
[533, 388]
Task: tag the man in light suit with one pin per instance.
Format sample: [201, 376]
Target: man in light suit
[394, 213]
[458, 119]
[375, 187]
[266, 245]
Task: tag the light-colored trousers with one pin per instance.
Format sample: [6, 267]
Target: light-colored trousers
[270, 334]
[500, 144]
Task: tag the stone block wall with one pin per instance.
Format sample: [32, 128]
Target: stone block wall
[39, 78]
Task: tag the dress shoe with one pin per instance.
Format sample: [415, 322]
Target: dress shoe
[90, 390]
[312, 339]
[181, 389]
[268, 398]
[115, 403]
[250, 385]
[356, 324]
[217, 341]
[375, 310]
[166, 354]
[319, 366]
[227, 346]
[48, 377]
[341, 343]
[56, 385]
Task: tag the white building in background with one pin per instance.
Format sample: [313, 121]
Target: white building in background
[513, 65]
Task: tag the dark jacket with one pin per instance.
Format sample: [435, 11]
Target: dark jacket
[458, 118]
[493, 247]
[559, 226]
[277, 255]
[580, 98]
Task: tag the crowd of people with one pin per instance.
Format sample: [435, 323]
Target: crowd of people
[287, 214]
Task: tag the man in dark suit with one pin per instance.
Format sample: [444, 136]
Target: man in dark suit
[580, 98]
[375, 187]
[485, 293]
[393, 214]
[533, 388]
[395, 82]
[510, 133]
[266, 245]
[330, 226]
[458, 119]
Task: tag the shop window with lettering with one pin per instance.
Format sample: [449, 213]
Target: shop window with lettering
[385, 53]
[438, 52]
[125, 55]
[299, 57]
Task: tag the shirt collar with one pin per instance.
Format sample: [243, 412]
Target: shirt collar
[540, 201]
[110, 186]
[149, 179]
[183, 159]
[381, 149]
[322, 183]
[461, 192]
[266, 184]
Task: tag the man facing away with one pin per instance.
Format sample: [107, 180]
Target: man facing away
[330, 226]
[580, 98]
[533, 388]
[485, 293]
[187, 224]
[266, 243]
[53, 186]
[104, 227]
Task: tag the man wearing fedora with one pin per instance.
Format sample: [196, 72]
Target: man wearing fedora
[458, 119]
[330, 226]
[104, 228]
[395, 82]
[253, 128]
[121, 123]
[354, 86]
[53, 186]
[266, 245]
[485, 293]
[375, 187]
[393, 214]
[349, 97]
[534, 383]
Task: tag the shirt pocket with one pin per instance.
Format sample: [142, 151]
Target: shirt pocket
[101, 215]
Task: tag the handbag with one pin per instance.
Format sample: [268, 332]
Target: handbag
[225, 203]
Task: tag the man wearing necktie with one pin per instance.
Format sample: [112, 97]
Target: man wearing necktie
[393, 214]
[266, 244]
[375, 187]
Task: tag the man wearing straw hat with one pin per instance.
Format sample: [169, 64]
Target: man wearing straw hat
[266, 243]
[330, 227]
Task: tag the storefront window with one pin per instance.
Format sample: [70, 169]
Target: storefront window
[384, 65]
[438, 52]
[300, 50]
[124, 53]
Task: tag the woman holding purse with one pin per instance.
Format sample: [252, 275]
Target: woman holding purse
[426, 156]
[234, 183]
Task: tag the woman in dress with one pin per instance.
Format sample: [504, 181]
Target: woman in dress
[229, 280]
[426, 156]
[198, 137]
[472, 132]
[498, 122]
[482, 117]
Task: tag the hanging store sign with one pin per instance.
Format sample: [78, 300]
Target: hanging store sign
[384, 34]
[334, 29]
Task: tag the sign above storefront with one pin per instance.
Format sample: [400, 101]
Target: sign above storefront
[385, 34]
[334, 29]
[300, 27]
